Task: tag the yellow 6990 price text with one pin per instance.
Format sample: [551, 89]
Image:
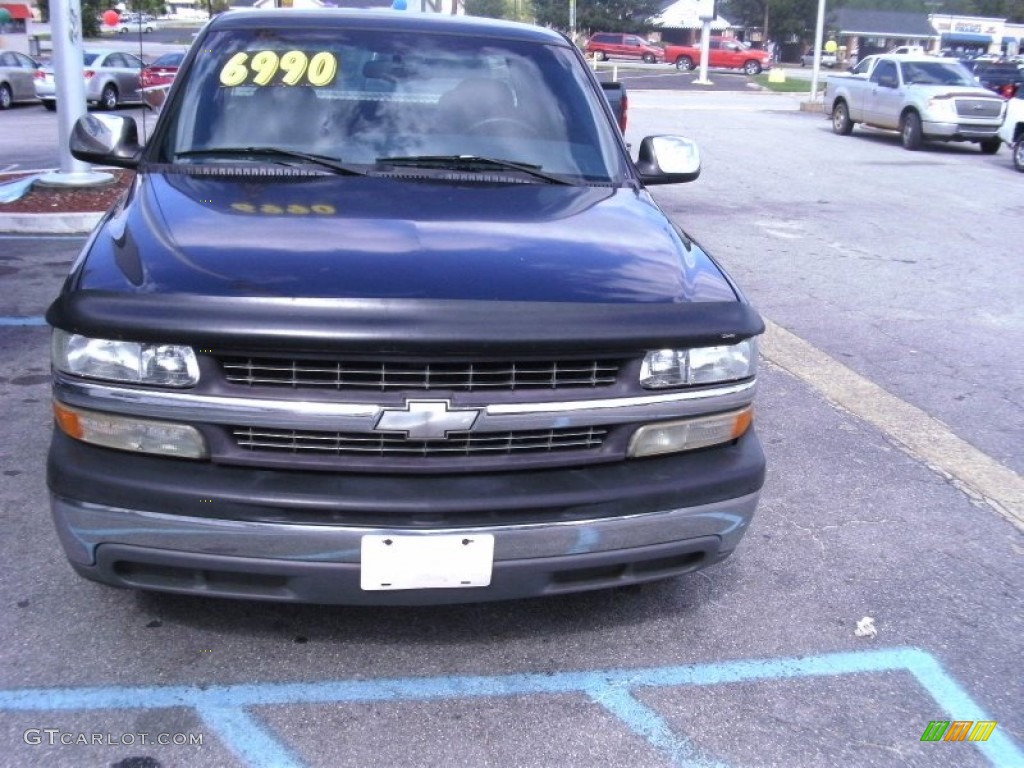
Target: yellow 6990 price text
[262, 67]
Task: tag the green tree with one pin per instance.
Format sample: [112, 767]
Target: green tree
[1011, 10]
[91, 12]
[598, 15]
[492, 9]
[785, 18]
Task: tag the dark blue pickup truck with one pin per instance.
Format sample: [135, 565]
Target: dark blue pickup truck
[389, 315]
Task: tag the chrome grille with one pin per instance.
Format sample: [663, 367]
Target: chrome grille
[392, 376]
[974, 129]
[979, 107]
[316, 443]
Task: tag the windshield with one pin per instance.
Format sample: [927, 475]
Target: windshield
[168, 60]
[1000, 70]
[361, 96]
[936, 73]
[89, 58]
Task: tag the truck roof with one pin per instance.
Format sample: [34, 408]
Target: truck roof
[385, 18]
[913, 57]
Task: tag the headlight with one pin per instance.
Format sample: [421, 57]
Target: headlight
[165, 365]
[130, 433]
[701, 365]
[943, 106]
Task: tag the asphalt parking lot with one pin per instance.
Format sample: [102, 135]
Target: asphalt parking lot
[891, 416]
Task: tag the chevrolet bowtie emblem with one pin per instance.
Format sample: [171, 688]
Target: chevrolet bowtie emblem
[426, 419]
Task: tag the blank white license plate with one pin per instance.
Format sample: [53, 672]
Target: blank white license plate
[426, 562]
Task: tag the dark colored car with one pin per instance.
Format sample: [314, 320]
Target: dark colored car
[1003, 77]
[614, 45]
[389, 315]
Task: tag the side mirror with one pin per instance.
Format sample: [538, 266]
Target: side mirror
[668, 160]
[106, 140]
[887, 81]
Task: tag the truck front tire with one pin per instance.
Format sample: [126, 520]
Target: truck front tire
[910, 131]
[990, 146]
[752, 68]
[841, 122]
[1018, 154]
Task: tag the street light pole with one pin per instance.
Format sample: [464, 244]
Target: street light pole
[819, 33]
[69, 85]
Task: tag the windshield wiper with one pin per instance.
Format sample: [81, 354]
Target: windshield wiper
[472, 163]
[322, 160]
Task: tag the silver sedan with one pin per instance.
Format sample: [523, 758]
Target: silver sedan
[111, 79]
[16, 73]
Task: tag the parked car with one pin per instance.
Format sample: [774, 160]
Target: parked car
[1012, 130]
[156, 77]
[131, 22]
[111, 79]
[17, 72]
[907, 50]
[723, 53]
[161, 70]
[827, 59]
[610, 45]
[1003, 77]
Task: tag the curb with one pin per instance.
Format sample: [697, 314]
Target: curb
[49, 223]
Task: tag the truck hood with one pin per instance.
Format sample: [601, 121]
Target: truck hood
[330, 237]
[955, 92]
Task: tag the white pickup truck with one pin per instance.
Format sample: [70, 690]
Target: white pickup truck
[925, 98]
[1012, 131]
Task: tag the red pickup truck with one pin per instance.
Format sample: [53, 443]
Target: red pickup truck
[723, 53]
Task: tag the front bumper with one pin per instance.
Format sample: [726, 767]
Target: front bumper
[189, 527]
[944, 131]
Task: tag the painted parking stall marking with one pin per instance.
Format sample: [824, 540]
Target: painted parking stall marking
[223, 708]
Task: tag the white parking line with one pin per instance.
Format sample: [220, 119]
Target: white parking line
[922, 436]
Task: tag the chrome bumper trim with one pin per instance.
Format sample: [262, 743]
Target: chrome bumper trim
[83, 526]
[362, 417]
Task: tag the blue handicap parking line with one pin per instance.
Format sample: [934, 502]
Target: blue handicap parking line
[223, 707]
[22, 321]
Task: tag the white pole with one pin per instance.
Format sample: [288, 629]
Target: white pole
[66, 28]
[705, 42]
[819, 33]
[572, 20]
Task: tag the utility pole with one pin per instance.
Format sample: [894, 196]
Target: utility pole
[819, 33]
[767, 4]
[68, 66]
